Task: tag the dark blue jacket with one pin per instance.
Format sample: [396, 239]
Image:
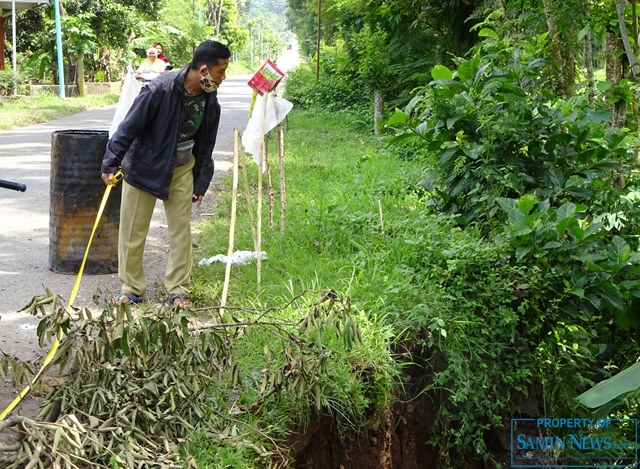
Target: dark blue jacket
[148, 137]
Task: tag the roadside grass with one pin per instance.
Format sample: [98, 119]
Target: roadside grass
[357, 223]
[276, 388]
[22, 110]
[239, 68]
[342, 188]
[335, 177]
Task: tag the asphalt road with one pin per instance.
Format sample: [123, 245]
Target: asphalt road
[25, 157]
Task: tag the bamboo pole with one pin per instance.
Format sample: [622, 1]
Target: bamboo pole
[247, 195]
[381, 219]
[259, 211]
[232, 224]
[269, 183]
[283, 193]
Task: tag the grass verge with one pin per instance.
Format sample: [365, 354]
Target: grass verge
[21, 111]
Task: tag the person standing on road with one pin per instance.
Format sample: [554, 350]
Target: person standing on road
[165, 145]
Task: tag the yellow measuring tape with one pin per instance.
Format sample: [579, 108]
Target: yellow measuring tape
[74, 291]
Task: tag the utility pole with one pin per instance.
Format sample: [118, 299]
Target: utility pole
[14, 59]
[318, 43]
[56, 6]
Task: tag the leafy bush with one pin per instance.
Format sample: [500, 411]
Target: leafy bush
[492, 132]
[334, 91]
[7, 82]
[554, 190]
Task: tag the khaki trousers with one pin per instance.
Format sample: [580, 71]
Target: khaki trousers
[136, 210]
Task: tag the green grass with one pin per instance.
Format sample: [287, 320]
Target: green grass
[357, 223]
[22, 110]
[334, 180]
[345, 197]
[258, 410]
[239, 68]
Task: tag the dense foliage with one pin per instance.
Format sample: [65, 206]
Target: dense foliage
[530, 151]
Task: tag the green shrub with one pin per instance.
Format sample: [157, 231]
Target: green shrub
[8, 81]
[544, 299]
[331, 93]
[491, 131]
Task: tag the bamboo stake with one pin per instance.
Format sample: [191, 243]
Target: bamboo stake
[232, 225]
[283, 193]
[269, 184]
[247, 194]
[259, 212]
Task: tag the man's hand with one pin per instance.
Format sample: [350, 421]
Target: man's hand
[107, 178]
[196, 198]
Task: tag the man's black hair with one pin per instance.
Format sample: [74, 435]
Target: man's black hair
[209, 53]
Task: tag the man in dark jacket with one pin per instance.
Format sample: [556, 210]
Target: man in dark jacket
[164, 146]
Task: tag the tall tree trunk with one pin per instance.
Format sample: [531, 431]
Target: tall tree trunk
[2, 24]
[614, 69]
[80, 74]
[634, 10]
[587, 57]
[636, 94]
[562, 69]
[219, 17]
[631, 56]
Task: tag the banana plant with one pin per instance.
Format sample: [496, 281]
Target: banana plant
[605, 395]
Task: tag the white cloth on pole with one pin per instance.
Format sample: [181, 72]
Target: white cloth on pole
[238, 257]
[130, 89]
[277, 110]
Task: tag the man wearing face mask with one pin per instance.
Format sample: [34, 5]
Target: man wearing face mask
[164, 146]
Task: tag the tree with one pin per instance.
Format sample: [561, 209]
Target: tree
[621, 6]
[112, 23]
[374, 66]
[225, 19]
[79, 39]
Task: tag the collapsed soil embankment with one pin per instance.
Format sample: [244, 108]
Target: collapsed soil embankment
[396, 440]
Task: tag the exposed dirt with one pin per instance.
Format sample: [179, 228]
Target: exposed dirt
[396, 440]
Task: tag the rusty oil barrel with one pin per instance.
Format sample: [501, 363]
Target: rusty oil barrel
[75, 196]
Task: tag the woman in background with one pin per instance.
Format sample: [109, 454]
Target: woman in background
[160, 48]
[150, 67]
